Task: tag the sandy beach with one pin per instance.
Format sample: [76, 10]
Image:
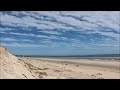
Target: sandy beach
[54, 68]
[13, 67]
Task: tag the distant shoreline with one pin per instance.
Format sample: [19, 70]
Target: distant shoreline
[91, 57]
[96, 55]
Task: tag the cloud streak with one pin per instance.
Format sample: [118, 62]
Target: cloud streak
[70, 28]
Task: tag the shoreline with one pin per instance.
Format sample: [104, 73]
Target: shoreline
[85, 58]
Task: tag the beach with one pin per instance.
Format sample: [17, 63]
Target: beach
[57, 68]
[17, 67]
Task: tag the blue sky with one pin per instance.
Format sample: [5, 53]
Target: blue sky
[60, 32]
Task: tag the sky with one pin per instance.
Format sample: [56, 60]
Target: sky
[60, 32]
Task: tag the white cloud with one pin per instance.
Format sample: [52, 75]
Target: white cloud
[21, 34]
[108, 19]
[50, 32]
[28, 21]
[13, 39]
[21, 45]
[5, 29]
[50, 21]
[110, 34]
[94, 18]
[34, 35]
[7, 39]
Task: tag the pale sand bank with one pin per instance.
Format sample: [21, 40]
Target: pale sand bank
[50, 68]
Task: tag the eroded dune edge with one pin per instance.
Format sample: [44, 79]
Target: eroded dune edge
[12, 67]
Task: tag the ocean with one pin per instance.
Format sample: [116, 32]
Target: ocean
[104, 56]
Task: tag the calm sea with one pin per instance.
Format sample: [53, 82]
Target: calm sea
[108, 56]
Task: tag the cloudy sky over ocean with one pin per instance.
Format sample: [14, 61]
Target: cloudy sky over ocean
[60, 32]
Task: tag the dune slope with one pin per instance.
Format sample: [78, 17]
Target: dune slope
[13, 68]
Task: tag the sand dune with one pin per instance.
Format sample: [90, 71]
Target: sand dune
[11, 67]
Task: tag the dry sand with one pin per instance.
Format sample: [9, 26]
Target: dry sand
[12, 67]
[75, 68]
